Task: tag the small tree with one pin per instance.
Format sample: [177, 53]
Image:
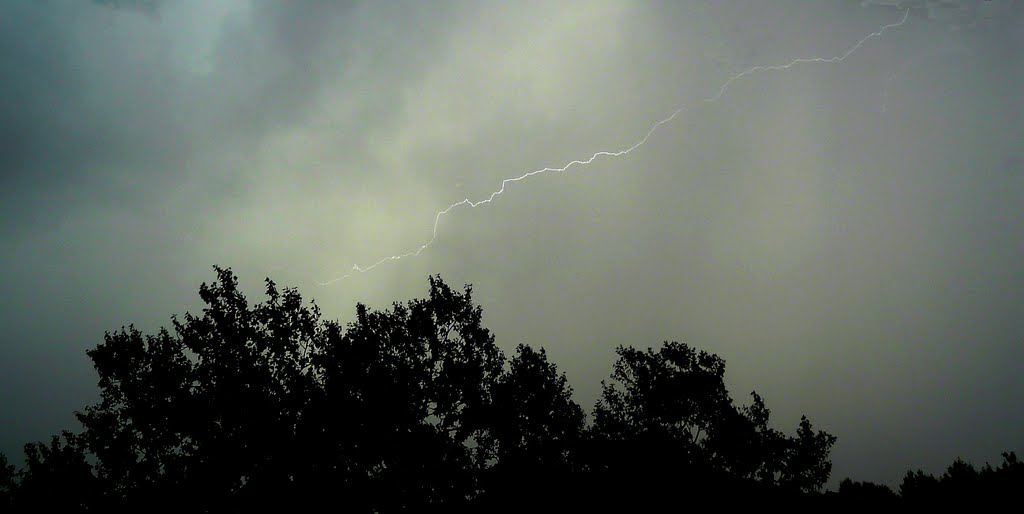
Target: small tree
[56, 478]
[863, 494]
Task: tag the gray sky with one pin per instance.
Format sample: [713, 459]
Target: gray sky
[849, 236]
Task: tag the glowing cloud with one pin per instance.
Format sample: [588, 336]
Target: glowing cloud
[617, 153]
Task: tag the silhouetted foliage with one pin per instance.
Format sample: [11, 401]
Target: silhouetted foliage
[56, 478]
[249, 405]
[862, 494]
[666, 416]
[536, 430]
[7, 483]
[963, 484]
[404, 402]
[414, 408]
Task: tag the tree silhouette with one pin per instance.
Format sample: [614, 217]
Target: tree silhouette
[862, 494]
[248, 405]
[208, 410]
[415, 409]
[963, 484]
[666, 415]
[536, 422]
[414, 383]
[536, 430]
[7, 483]
[56, 478]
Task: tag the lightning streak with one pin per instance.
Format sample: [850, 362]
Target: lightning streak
[504, 183]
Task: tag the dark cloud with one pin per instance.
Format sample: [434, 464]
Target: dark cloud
[82, 107]
[92, 104]
[151, 7]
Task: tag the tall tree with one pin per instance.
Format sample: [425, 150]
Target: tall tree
[414, 383]
[536, 422]
[209, 410]
[537, 430]
[248, 404]
[669, 412]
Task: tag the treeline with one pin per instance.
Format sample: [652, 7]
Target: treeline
[962, 484]
[415, 409]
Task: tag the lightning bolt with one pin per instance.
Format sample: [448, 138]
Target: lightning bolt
[504, 183]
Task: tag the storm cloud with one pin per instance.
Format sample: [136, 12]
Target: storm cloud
[858, 264]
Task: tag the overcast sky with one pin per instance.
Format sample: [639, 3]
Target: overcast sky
[848, 236]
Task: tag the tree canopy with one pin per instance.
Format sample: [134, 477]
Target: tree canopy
[410, 408]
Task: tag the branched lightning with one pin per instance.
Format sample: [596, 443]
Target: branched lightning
[717, 96]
